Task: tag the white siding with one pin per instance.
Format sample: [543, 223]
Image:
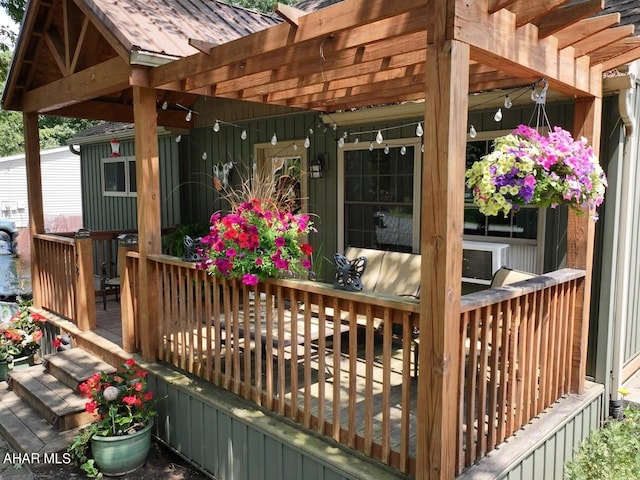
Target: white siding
[61, 186]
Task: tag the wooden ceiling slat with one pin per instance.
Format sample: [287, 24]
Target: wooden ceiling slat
[585, 28]
[495, 5]
[527, 11]
[614, 50]
[569, 14]
[627, 57]
[319, 55]
[602, 39]
[290, 14]
[323, 23]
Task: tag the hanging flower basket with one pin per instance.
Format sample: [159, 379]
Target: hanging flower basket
[527, 168]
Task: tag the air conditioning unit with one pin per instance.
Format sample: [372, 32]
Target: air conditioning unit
[480, 260]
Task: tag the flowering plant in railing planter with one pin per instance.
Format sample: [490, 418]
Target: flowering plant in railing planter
[256, 242]
[22, 333]
[528, 168]
[261, 237]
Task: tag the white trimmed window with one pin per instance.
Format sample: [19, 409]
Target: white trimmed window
[119, 176]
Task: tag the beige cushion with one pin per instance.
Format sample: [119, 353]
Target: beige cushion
[506, 276]
[399, 274]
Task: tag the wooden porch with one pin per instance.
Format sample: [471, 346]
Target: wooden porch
[354, 384]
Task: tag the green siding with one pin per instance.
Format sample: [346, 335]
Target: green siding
[120, 213]
[232, 439]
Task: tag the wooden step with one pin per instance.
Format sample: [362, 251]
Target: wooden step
[25, 430]
[58, 404]
[74, 366]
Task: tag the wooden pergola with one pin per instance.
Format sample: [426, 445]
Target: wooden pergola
[357, 53]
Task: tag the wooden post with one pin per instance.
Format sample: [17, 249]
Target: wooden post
[148, 186]
[447, 85]
[580, 242]
[129, 340]
[34, 192]
[85, 301]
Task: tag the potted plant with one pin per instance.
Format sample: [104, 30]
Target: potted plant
[261, 238]
[21, 335]
[118, 441]
[528, 168]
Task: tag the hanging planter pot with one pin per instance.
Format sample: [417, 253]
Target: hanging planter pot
[123, 454]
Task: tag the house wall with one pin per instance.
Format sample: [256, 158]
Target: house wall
[120, 213]
[61, 195]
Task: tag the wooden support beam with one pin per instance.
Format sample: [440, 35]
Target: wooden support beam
[107, 77]
[495, 5]
[85, 284]
[441, 244]
[527, 11]
[622, 59]
[290, 14]
[580, 240]
[34, 196]
[585, 28]
[203, 46]
[602, 39]
[149, 233]
[568, 15]
[495, 41]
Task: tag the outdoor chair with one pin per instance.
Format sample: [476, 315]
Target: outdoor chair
[108, 284]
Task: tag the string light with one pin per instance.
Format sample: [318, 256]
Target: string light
[178, 138]
[386, 149]
[216, 126]
[165, 105]
[507, 102]
[243, 135]
[419, 130]
[341, 142]
[498, 116]
[379, 138]
[188, 117]
[307, 142]
[403, 150]
[370, 146]
[204, 156]
[274, 139]
[472, 132]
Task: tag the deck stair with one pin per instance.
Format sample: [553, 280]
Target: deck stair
[42, 407]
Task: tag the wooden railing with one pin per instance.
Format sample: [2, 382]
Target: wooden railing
[64, 280]
[317, 357]
[515, 358]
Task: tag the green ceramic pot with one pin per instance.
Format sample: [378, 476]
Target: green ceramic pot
[120, 455]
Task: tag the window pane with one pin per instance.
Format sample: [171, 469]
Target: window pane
[114, 177]
[526, 223]
[379, 198]
[132, 176]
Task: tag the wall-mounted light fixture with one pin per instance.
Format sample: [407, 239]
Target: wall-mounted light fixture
[319, 164]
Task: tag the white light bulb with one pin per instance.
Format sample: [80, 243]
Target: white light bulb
[334, 126]
[204, 156]
[507, 102]
[370, 146]
[386, 149]
[178, 138]
[498, 116]
[379, 138]
[422, 148]
[165, 105]
[274, 139]
[188, 117]
[340, 142]
[403, 150]
[311, 131]
[419, 130]
[243, 135]
[356, 141]
[295, 147]
[216, 126]
[345, 135]
[472, 132]
[307, 142]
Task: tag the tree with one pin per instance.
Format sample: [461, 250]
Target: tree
[265, 6]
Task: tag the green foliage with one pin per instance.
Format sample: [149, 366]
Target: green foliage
[265, 6]
[611, 452]
[173, 243]
[15, 9]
